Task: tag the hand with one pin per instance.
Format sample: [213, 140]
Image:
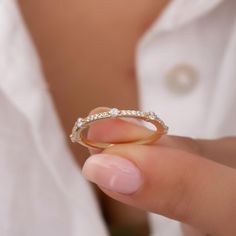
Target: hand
[184, 179]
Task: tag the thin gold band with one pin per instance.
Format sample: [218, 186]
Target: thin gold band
[83, 123]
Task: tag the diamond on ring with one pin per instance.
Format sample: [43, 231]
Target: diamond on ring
[114, 112]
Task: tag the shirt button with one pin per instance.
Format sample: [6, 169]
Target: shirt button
[182, 79]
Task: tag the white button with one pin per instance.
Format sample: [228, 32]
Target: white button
[182, 79]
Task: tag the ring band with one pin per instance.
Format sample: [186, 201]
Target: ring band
[83, 123]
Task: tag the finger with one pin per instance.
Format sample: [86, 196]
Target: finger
[170, 182]
[115, 130]
[123, 130]
[220, 150]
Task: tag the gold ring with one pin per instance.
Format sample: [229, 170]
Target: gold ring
[83, 123]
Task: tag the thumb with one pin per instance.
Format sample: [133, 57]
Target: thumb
[115, 130]
[170, 182]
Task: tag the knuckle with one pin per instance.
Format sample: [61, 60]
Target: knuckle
[182, 143]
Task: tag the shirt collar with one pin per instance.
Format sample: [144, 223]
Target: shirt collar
[21, 79]
[177, 14]
[181, 12]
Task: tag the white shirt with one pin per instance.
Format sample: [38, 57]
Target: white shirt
[42, 190]
[187, 74]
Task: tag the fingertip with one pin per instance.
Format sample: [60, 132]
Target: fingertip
[113, 172]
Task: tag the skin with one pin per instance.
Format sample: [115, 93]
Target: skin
[89, 48]
[192, 181]
[75, 40]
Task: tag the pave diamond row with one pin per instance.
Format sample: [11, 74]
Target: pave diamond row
[113, 113]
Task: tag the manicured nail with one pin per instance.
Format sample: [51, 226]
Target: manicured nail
[132, 120]
[112, 172]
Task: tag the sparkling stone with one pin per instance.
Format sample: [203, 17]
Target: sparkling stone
[72, 138]
[104, 114]
[142, 114]
[80, 122]
[114, 112]
[91, 117]
[152, 115]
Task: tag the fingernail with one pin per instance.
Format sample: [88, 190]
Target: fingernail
[112, 172]
[132, 120]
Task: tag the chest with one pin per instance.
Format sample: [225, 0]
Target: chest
[87, 51]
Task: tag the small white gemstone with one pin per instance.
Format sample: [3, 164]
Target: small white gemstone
[142, 114]
[152, 115]
[80, 122]
[114, 112]
[105, 114]
[72, 138]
